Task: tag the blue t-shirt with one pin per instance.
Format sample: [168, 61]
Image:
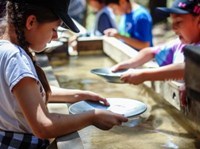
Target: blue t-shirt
[137, 24]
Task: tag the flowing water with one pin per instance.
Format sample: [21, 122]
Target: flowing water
[161, 126]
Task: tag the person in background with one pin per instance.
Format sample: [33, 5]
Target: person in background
[25, 121]
[104, 17]
[185, 16]
[77, 10]
[135, 28]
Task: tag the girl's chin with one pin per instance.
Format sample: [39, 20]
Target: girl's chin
[38, 49]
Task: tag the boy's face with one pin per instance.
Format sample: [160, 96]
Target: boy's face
[124, 5]
[121, 8]
[96, 6]
[116, 9]
[186, 27]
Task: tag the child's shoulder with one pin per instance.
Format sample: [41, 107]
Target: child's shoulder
[8, 48]
[169, 43]
[172, 45]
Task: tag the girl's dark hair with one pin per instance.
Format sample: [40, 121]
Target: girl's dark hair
[2, 7]
[114, 1]
[2, 14]
[17, 14]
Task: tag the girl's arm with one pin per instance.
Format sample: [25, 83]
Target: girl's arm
[51, 125]
[73, 95]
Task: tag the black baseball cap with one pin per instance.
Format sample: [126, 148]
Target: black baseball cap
[181, 7]
[58, 7]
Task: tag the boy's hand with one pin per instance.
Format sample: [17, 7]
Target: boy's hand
[134, 77]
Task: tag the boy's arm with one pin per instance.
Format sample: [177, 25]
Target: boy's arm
[133, 42]
[141, 58]
[169, 72]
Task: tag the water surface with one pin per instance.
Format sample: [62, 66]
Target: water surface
[161, 126]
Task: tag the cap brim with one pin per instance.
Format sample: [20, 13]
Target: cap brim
[167, 11]
[55, 7]
[68, 23]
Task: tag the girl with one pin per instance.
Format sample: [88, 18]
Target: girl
[185, 15]
[25, 121]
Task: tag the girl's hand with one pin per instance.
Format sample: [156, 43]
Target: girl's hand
[88, 95]
[105, 119]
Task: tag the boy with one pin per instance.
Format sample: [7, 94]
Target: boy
[135, 27]
[185, 15]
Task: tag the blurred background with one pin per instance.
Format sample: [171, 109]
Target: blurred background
[161, 26]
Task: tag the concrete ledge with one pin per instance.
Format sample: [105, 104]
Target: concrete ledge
[117, 50]
[89, 44]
